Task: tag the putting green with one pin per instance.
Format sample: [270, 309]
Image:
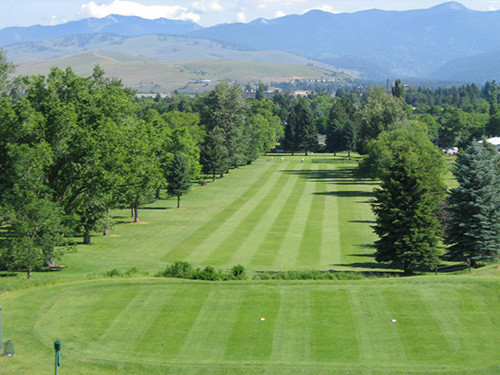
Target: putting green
[445, 324]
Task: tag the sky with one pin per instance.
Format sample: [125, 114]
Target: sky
[203, 12]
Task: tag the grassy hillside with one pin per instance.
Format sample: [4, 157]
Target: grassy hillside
[271, 215]
[158, 76]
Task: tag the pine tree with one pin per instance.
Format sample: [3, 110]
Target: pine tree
[290, 141]
[306, 135]
[405, 207]
[179, 177]
[348, 138]
[333, 137]
[474, 229]
[213, 155]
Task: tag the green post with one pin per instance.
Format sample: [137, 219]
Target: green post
[57, 348]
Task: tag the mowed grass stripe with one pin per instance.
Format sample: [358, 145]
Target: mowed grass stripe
[127, 329]
[374, 329]
[271, 246]
[310, 250]
[235, 238]
[330, 240]
[292, 332]
[64, 317]
[354, 215]
[479, 325]
[420, 333]
[209, 335]
[333, 327]
[189, 244]
[445, 308]
[254, 241]
[166, 333]
[251, 339]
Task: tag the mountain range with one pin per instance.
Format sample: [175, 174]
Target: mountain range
[445, 42]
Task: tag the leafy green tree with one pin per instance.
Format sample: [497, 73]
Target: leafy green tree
[414, 136]
[179, 177]
[474, 228]
[35, 230]
[225, 108]
[399, 89]
[405, 208]
[381, 112]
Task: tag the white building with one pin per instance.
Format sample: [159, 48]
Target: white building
[495, 141]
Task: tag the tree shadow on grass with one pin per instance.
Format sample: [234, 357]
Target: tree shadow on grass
[347, 193]
[155, 208]
[363, 221]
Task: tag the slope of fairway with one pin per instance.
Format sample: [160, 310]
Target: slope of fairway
[271, 215]
[445, 325]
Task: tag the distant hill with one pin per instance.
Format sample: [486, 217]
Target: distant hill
[478, 68]
[445, 42]
[188, 76]
[120, 25]
[407, 43]
[157, 47]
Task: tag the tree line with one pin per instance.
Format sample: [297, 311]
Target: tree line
[72, 148]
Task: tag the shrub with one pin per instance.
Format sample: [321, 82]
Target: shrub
[238, 272]
[180, 269]
[113, 273]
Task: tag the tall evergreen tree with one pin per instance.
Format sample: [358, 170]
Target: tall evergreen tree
[306, 135]
[214, 154]
[405, 208]
[474, 228]
[348, 137]
[334, 137]
[179, 177]
[290, 142]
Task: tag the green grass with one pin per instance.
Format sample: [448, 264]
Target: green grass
[445, 325]
[270, 216]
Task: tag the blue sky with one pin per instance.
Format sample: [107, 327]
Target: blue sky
[204, 12]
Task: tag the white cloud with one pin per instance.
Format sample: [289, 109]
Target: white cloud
[55, 20]
[241, 17]
[279, 14]
[131, 8]
[324, 8]
[208, 5]
[263, 4]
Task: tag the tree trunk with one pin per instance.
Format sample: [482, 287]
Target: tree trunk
[132, 210]
[106, 229]
[178, 201]
[213, 177]
[158, 192]
[136, 214]
[348, 153]
[28, 270]
[306, 152]
[86, 238]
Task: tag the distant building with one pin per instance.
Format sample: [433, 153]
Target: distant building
[495, 141]
[252, 93]
[301, 92]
